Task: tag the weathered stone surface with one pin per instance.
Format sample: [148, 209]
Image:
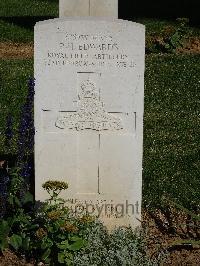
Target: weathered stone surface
[89, 114]
[85, 8]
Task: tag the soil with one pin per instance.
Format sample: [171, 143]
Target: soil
[164, 235]
[191, 46]
[16, 50]
[10, 259]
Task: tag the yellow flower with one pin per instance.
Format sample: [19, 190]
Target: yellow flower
[55, 185]
[68, 227]
[53, 215]
[86, 219]
[40, 233]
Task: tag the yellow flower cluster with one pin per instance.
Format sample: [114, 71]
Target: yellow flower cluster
[86, 219]
[68, 227]
[55, 185]
[40, 233]
[54, 215]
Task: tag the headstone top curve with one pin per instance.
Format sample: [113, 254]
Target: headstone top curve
[89, 19]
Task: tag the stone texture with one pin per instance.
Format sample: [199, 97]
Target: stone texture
[85, 8]
[73, 8]
[89, 114]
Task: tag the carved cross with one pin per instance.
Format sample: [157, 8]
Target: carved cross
[91, 114]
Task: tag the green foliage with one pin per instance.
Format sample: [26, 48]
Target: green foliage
[58, 231]
[16, 241]
[50, 233]
[171, 37]
[16, 198]
[54, 235]
[121, 247]
[4, 231]
[166, 36]
[176, 39]
[17, 226]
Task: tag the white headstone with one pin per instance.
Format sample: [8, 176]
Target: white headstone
[89, 114]
[85, 8]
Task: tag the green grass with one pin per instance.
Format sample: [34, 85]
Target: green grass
[12, 8]
[14, 76]
[20, 29]
[11, 32]
[171, 125]
[19, 17]
[171, 130]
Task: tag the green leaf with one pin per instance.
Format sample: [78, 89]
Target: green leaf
[33, 226]
[16, 241]
[77, 245]
[46, 243]
[68, 258]
[46, 254]
[63, 245]
[28, 198]
[26, 243]
[10, 200]
[4, 229]
[50, 229]
[17, 202]
[4, 244]
[61, 258]
[61, 236]
[75, 238]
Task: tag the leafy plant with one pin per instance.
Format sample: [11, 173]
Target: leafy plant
[58, 232]
[122, 247]
[18, 221]
[17, 226]
[175, 37]
[4, 181]
[48, 234]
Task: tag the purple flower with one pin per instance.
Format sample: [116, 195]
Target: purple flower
[9, 130]
[4, 181]
[26, 135]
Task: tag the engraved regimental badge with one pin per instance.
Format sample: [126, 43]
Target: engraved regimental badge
[91, 113]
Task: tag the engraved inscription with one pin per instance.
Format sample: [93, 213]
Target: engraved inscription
[91, 113]
[87, 50]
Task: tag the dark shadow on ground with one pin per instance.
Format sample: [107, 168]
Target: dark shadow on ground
[26, 21]
[170, 9]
